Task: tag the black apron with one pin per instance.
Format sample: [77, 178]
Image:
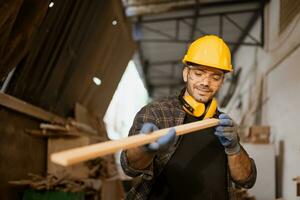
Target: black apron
[197, 169]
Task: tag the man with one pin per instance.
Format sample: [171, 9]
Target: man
[200, 165]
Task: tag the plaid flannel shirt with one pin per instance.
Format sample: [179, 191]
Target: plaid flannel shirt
[164, 113]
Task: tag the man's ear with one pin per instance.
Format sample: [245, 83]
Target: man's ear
[185, 74]
[223, 78]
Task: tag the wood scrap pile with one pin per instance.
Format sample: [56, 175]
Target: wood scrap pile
[70, 128]
[102, 168]
[255, 134]
[63, 183]
[297, 179]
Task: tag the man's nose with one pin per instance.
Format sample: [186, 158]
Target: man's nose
[206, 81]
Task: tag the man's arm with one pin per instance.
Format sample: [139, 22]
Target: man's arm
[141, 157]
[241, 166]
[134, 161]
[139, 161]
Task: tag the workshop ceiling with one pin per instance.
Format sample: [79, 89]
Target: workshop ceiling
[165, 28]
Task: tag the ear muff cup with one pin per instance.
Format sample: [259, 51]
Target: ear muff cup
[197, 109]
[211, 109]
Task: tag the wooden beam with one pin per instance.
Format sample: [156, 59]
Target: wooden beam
[69, 127]
[29, 109]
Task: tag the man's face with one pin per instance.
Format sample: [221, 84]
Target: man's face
[202, 82]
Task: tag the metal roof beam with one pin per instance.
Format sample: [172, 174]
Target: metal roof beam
[159, 32]
[158, 2]
[246, 31]
[194, 24]
[174, 84]
[177, 29]
[199, 15]
[255, 16]
[240, 28]
[167, 62]
[169, 6]
[196, 28]
[188, 41]
[221, 26]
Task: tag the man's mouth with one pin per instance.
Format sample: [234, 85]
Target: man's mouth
[203, 93]
[203, 90]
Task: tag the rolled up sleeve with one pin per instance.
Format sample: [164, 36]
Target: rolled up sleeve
[146, 173]
[143, 116]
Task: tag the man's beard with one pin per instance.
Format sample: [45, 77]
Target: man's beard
[198, 97]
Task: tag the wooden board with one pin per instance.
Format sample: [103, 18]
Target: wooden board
[73, 156]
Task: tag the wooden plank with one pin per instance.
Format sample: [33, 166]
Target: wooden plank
[28, 109]
[81, 154]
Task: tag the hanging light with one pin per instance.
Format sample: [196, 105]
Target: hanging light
[97, 81]
[114, 22]
[51, 4]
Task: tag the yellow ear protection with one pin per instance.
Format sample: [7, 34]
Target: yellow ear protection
[197, 109]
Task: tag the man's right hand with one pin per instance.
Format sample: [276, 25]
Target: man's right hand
[162, 144]
[141, 157]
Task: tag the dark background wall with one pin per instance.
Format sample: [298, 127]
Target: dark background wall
[76, 42]
[59, 54]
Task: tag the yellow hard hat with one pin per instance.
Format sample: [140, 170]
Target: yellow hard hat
[211, 51]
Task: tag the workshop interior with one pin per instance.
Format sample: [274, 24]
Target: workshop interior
[75, 73]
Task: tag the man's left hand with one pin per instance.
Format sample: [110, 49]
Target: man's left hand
[226, 132]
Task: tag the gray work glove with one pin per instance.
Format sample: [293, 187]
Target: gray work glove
[226, 131]
[162, 144]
